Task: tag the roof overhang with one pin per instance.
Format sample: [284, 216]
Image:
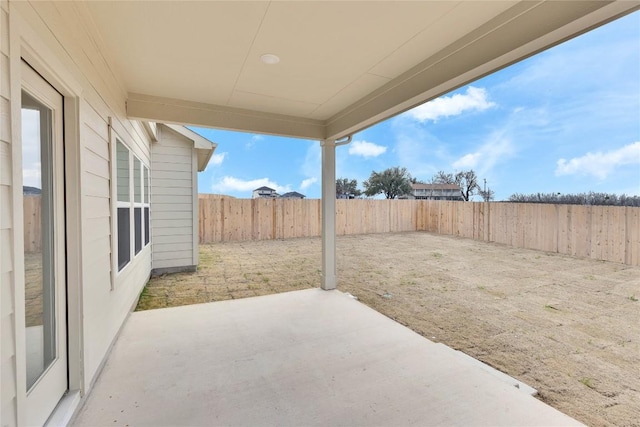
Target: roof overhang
[203, 147]
[345, 65]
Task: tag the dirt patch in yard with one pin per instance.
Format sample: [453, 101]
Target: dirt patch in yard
[568, 327]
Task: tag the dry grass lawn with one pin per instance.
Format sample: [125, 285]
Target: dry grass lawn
[568, 327]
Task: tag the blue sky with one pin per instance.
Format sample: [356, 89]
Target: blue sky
[566, 120]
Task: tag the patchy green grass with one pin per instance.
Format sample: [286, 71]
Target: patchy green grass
[587, 382]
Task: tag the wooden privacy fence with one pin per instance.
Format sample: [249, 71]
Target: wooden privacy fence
[608, 233]
[32, 215]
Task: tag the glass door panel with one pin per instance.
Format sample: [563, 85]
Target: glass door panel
[40, 295]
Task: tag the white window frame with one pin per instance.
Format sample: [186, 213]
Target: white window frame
[143, 204]
[114, 139]
[146, 204]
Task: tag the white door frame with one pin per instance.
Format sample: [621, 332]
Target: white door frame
[51, 381]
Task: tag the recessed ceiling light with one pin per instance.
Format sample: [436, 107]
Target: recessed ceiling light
[270, 59]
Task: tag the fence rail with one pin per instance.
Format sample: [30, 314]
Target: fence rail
[610, 233]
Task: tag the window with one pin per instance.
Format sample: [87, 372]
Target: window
[132, 198]
[146, 204]
[123, 205]
[137, 204]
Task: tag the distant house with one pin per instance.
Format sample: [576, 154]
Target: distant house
[292, 195]
[436, 192]
[31, 191]
[345, 196]
[264, 192]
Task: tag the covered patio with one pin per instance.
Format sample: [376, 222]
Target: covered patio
[300, 358]
[322, 71]
[314, 70]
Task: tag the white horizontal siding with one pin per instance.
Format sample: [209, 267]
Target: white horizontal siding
[172, 200]
[100, 266]
[180, 149]
[96, 143]
[170, 207]
[7, 275]
[179, 262]
[5, 120]
[173, 223]
[171, 231]
[183, 185]
[170, 239]
[97, 249]
[5, 161]
[5, 82]
[172, 255]
[175, 191]
[172, 247]
[168, 199]
[96, 186]
[100, 227]
[165, 214]
[95, 164]
[169, 167]
[96, 207]
[171, 175]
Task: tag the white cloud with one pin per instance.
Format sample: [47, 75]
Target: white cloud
[306, 183]
[311, 166]
[232, 184]
[468, 161]
[600, 164]
[217, 159]
[496, 148]
[366, 149]
[254, 138]
[475, 99]
[31, 167]
[417, 149]
[32, 177]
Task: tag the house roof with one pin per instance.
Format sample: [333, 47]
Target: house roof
[264, 189]
[204, 148]
[293, 194]
[418, 186]
[343, 65]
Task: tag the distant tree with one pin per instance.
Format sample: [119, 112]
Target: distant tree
[393, 182]
[468, 183]
[487, 195]
[466, 180]
[347, 187]
[590, 198]
[443, 178]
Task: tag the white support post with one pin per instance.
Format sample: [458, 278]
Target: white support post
[328, 214]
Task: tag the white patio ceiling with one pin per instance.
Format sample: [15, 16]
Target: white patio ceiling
[343, 65]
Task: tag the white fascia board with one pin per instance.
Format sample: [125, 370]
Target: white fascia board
[169, 110]
[204, 147]
[152, 130]
[520, 32]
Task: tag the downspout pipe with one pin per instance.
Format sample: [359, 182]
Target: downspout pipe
[344, 141]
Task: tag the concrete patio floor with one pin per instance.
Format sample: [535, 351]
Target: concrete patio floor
[308, 357]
